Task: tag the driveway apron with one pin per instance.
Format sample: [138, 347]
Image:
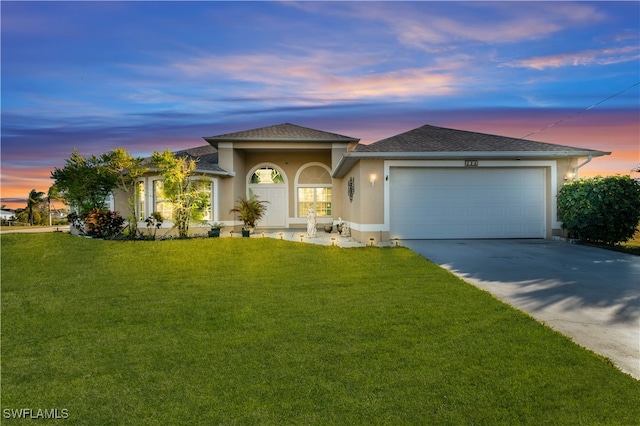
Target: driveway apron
[589, 294]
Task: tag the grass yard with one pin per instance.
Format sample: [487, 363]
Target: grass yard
[633, 245]
[261, 331]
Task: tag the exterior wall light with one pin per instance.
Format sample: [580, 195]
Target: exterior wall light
[569, 176]
[372, 179]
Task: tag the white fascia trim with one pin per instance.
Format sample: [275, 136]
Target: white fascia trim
[552, 165]
[472, 154]
[453, 155]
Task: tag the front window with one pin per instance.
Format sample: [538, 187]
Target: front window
[314, 191]
[140, 213]
[161, 205]
[318, 199]
[202, 204]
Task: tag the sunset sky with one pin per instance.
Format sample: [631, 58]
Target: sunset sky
[148, 76]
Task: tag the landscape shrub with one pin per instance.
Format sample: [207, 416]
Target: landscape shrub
[601, 210]
[104, 224]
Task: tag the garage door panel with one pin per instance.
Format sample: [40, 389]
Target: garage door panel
[467, 203]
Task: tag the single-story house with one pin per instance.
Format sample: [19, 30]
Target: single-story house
[7, 214]
[426, 183]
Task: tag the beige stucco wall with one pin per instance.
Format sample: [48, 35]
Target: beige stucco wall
[243, 158]
[365, 213]
[121, 202]
[289, 163]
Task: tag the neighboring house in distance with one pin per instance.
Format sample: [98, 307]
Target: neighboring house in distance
[6, 215]
[427, 183]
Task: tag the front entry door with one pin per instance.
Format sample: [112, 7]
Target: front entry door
[275, 216]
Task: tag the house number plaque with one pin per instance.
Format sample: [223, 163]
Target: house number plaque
[471, 163]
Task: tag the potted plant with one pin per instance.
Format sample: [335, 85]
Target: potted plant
[250, 210]
[339, 226]
[215, 229]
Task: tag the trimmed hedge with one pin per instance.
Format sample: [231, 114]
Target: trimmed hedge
[602, 210]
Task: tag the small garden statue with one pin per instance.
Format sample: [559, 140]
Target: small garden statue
[311, 223]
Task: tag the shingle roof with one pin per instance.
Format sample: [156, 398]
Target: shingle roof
[439, 139]
[206, 157]
[282, 133]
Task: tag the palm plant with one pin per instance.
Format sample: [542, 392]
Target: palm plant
[250, 210]
[36, 198]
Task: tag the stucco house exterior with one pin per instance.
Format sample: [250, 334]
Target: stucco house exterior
[426, 183]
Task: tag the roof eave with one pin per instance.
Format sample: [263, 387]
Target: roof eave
[348, 159]
[209, 172]
[213, 141]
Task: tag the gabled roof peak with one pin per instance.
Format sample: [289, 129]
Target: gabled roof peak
[285, 132]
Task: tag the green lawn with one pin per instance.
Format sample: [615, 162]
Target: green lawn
[633, 245]
[262, 331]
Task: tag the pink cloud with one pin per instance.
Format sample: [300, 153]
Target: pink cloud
[324, 76]
[588, 57]
[495, 22]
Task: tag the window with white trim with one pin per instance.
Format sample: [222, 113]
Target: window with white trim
[160, 204]
[314, 191]
[204, 202]
[139, 200]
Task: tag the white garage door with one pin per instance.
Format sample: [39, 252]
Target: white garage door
[439, 203]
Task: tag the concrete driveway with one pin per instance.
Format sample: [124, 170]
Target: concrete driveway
[589, 294]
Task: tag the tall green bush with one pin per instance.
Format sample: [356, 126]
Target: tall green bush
[182, 188]
[600, 209]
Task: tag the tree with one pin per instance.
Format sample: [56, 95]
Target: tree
[182, 189]
[35, 200]
[84, 183]
[601, 209]
[128, 170]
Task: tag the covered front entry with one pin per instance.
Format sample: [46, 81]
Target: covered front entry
[269, 184]
[461, 203]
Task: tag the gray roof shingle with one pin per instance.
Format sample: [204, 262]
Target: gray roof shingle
[439, 139]
[206, 157]
[284, 133]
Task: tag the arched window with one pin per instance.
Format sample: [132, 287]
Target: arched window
[314, 190]
[266, 175]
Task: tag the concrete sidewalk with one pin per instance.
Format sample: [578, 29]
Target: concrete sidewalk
[589, 294]
[34, 229]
